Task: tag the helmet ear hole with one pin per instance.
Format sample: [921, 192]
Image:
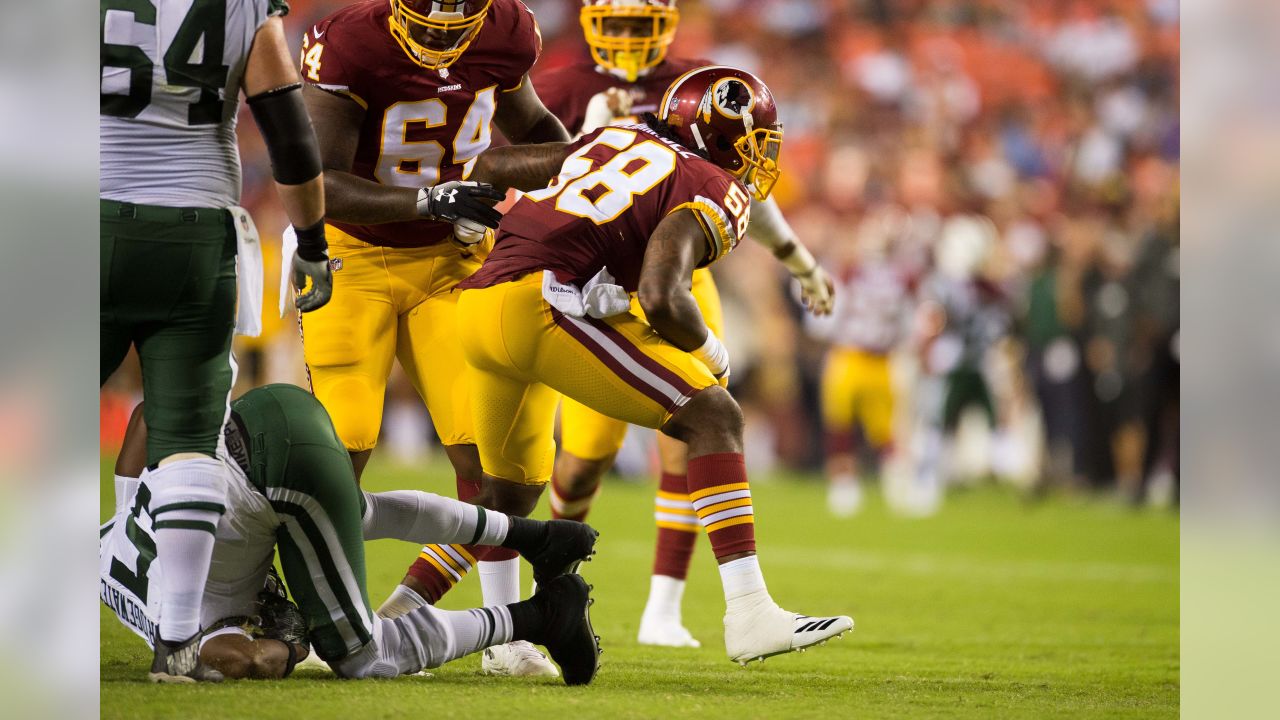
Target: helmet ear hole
[723, 144]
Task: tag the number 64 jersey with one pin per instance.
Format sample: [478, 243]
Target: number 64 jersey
[421, 127]
[614, 188]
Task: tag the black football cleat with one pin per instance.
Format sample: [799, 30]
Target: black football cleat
[568, 543]
[566, 632]
[180, 663]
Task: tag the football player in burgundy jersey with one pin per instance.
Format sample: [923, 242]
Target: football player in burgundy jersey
[626, 74]
[403, 94]
[634, 209]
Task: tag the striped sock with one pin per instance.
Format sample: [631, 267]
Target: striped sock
[722, 499]
[571, 506]
[677, 527]
[440, 567]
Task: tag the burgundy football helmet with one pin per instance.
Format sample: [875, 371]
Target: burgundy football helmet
[728, 116]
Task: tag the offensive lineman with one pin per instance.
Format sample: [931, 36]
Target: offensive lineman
[172, 73]
[292, 489]
[404, 93]
[634, 209]
[626, 75]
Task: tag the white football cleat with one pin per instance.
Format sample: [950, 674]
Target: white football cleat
[762, 629]
[665, 631]
[517, 659]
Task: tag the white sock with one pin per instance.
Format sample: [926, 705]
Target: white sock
[500, 581]
[426, 518]
[665, 596]
[400, 601]
[742, 580]
[188, 498]
[425, 638]
[125, 489]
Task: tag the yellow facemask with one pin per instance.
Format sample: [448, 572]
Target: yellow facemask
[407, 22]
[759, 150]
[630, 56]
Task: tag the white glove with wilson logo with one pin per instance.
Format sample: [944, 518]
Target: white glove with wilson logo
[715, 356]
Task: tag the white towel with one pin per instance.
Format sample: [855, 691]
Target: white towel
[288, 246]
[248, 274]
[599, 298]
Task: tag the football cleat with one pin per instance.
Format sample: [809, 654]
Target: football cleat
[568, 543]
[180, 663]
[567, 634]
[762, 629]
[665, 632]
[517, 659]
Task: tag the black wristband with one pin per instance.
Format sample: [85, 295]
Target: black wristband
[286, 128]
[293, 658]
[311, 243]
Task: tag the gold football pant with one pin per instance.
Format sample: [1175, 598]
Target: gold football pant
[524, 354]
[857, 390]
[587, 434]
[389, 303]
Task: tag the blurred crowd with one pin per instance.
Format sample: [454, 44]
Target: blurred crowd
[1051, 124]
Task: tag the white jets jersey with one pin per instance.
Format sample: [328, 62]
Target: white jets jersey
[130, 577]
[171, 73]
[870, 313]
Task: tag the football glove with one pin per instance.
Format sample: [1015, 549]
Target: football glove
[279, 618]
[461, 200]
[321, 283]
[817, 291]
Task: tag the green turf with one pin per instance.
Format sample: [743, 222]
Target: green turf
[995, 608]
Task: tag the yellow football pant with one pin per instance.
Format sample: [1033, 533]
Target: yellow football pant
[389, 303]
[523, 355]
[856, 388]
[589, 435]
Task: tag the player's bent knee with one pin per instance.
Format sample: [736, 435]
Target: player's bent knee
[465, 459]
[577, 476]
[711, 413]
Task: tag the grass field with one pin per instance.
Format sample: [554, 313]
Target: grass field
[995, 608]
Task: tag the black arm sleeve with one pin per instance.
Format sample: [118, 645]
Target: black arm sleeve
[286, 127]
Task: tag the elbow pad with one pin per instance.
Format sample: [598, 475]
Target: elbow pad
[286, 127]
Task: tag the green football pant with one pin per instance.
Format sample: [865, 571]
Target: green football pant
[168, 287]
[298, 463]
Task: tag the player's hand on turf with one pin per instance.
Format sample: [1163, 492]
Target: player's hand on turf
[461, 200]
[817, 291]
[321, 277]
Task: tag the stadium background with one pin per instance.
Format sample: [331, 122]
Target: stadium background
[1057, 120]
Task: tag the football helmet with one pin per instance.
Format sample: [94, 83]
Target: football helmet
[729, 117]
[435, 33]
[629, 37]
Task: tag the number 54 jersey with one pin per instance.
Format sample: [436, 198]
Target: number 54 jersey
[421, 127]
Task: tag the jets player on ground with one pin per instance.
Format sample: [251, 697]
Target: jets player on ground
[626, 75]
[292, 490]
[404, 94]
[635, 208]
[172, 73]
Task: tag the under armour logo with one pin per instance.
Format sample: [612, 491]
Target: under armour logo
[448, 196]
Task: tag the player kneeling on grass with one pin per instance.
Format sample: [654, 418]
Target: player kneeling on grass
[635, 208]
[293, 490]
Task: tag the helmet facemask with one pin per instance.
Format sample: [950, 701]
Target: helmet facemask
[631, 55]
[437, 39]
[759, 150]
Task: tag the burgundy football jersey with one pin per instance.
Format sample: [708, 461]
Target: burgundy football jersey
[421, 127]
[567, 90]
[617, 184]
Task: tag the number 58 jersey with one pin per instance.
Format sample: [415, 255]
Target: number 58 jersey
[421, 127]
[614, 189]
